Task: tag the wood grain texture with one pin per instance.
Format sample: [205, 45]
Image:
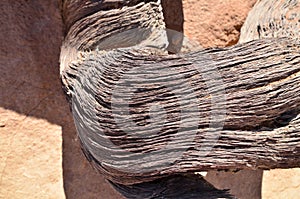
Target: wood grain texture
[262, 104]
[272, 19]
[136, 107]
[189, 186]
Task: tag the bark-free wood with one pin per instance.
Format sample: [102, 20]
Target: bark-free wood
[262, 105]
[241, 102]
[272, 19]
[189, 186]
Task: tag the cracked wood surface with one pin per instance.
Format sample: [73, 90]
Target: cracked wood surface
[262, 106]
[260, 81]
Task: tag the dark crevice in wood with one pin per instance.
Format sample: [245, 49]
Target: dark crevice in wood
[282, 120]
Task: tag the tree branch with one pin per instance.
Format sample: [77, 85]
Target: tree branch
[142, 114]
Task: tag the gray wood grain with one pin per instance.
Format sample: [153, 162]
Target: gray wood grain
[143, 115]
[262, 106]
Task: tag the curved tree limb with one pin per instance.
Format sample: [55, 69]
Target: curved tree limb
[262, 103]
[113, 77]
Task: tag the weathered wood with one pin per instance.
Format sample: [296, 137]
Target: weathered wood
[189, 186]
[241, 103]
[262, 103]
[109, 29]
[272, 19]
[75, 10]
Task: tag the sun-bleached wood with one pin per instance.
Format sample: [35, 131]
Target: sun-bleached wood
[259, 79]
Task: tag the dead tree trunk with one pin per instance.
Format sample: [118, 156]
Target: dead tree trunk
[143, 115]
